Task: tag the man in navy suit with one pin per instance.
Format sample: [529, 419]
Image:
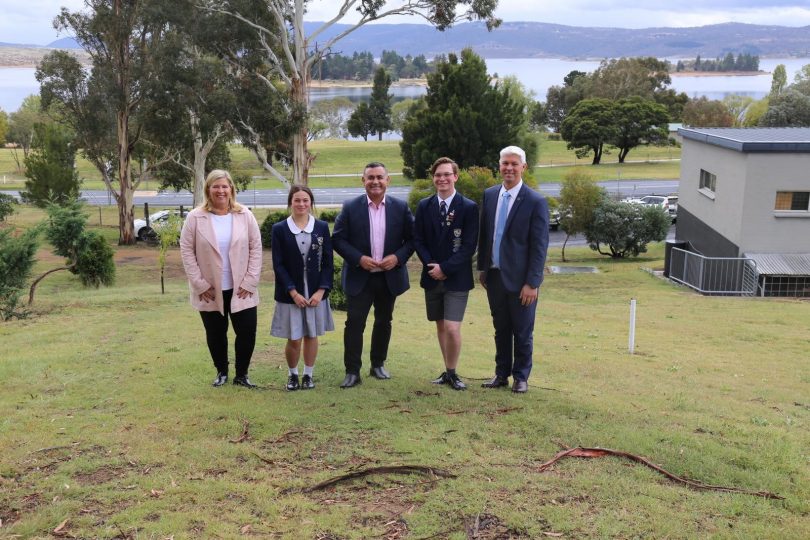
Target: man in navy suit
[512, 249]
[445, 236]
[374, 235]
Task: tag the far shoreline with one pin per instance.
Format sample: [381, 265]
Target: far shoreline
[350, 83]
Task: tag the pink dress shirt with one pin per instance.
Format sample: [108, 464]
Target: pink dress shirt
[376, 220]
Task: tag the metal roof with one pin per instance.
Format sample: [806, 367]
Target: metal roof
[785, 139]
[781, 264]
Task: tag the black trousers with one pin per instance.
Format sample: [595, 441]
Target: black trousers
[216, 334]
[376, 294]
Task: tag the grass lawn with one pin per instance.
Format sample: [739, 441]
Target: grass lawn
[110, 428]
[336, 158]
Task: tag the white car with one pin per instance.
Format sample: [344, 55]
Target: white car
[156, 221]
[667, 203]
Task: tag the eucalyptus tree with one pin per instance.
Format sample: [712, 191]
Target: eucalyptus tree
[121, 38]
[291, 54]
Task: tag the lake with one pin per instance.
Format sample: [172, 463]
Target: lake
[537, 74]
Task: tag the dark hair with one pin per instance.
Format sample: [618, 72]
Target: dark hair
[374, 165]
[442, 161]
[295, 189]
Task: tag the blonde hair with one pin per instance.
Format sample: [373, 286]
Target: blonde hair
[212, 177]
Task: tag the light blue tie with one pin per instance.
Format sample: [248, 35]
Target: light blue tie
[499, 227]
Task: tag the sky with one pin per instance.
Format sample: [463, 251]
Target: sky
[29, 21]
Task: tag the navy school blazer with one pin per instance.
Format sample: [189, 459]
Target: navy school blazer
[288, 264]
[450, 242]
[352, 239]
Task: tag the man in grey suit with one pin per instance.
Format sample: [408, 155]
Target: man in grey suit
[512, 247]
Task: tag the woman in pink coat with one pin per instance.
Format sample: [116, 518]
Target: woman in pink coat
[221, 249]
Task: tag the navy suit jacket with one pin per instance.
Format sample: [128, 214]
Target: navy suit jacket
[525, 238]
[288, 264]
[451, 243]
[352, 239]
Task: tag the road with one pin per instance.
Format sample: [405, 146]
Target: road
[336, 196]
[557, 238]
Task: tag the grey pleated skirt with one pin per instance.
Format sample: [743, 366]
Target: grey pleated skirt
[293, 322]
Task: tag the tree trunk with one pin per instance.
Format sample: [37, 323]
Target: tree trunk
[597, 155]
[623, 154]
[567, 236]
[126, 216]
[201, 151]
[301, 156]
[40, 278]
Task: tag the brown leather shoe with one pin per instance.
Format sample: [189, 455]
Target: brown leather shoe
[496, 382]
[520, 387]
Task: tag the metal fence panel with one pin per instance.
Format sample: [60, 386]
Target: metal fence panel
[714, 275]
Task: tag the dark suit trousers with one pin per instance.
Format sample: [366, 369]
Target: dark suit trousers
[216, 334]
[374, 293]
[514, 327]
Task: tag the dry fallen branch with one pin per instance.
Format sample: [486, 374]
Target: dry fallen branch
[392, 469]
[285, 437]
[245, 433]
[602, 452]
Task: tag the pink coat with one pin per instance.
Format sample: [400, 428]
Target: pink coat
[203, 262]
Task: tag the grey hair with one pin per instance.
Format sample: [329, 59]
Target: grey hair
[514, 151]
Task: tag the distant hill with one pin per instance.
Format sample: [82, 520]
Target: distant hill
[64, 43]
[543, 40]
[538, 40]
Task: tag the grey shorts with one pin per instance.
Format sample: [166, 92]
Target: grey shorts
[441, 304]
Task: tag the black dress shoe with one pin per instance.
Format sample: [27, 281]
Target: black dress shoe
[351, 379]
[292, 383]
[496, 382]
[441, 380]
[379, 372]
[221, 379]
[243, 381]
[455, 382]
[307, 383]
[520, 387]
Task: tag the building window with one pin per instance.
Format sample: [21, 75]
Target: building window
[792, 200]
[707, 180]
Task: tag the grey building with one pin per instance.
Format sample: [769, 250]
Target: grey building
[745, 192]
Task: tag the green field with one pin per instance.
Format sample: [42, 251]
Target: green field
[340, 157]
[110, 428]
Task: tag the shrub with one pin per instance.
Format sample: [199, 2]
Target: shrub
[420, 190]
[266, 227]
[473, 181]
[17, 258]
[554, 137]
[7, 204]
[626, 229]
[328, 215]
[337, 296]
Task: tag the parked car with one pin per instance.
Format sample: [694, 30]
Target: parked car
[156, 221]
[554, 220]
[667, 203]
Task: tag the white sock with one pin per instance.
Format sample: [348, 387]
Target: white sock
[294, 370]
[308, 370]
